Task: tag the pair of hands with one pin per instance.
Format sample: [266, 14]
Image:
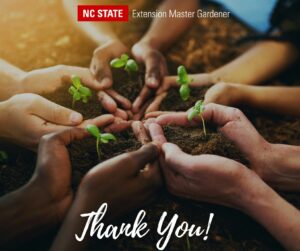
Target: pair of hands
[217, 179]
[156, 70]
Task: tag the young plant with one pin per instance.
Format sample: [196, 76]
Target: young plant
[78, 91]
[196, 111]
[3, 157]
[125, 62]
[100, 137]
[184, 81]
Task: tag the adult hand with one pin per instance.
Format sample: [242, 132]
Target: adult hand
[170, 82]
[208, 178]
[156, 70]
[263, 157]
[25, 118]
[100, 68]
[48, 80]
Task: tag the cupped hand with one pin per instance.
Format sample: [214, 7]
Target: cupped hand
[198, 80]
[207, 178]
[263, 157]
[25, 118]
[101, 70]
[156, 70]
[133, 182]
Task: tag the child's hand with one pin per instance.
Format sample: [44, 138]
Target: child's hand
[25, 118]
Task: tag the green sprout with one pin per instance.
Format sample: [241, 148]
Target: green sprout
[125, 62]
[78, 91]
[184, 81]
[100, 137]
[196, 111]
[3, 157]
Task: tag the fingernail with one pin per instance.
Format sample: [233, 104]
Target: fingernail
[75, 118]
[152, 82]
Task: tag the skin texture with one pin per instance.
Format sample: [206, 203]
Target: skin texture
[219, 180]
[147, 51]
[25, 118]
[282, 100]
[277, 164]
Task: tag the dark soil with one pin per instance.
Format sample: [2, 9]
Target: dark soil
[209, 44]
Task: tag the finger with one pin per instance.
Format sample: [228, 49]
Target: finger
[107, 102]
[168, 82]
[153, 71]
[154, 106]
[52, 112]
[140, 100]
[100, 121]
[157, 134]
[121, 114]
[101, 70]
[141, 112]
[200, 80]
[157, 114]
[118, 125]
[124, 102]
[177, 119]
[148, 122]
[140, 132]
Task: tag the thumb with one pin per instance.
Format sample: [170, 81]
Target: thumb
[57, 114]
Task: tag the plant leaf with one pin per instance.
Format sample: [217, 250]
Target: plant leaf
[76, 81]
[184, 92]
[183, 77]
[85, 91]
[117, 63]
[72, 90]
[108, 137]
[132, 65]
[93, 130]
[76, 96]
[192, 114]
[124, 57]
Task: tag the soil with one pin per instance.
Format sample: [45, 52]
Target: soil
[209, 44]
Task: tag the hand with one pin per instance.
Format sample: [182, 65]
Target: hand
[267, 160]
[226, 94]
[171, 81]
[156, 70]
[208, 178]
[48, 80]
[25, 118]
[100, 68]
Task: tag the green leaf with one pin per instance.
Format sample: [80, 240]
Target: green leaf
[93, 130]
[117, 63]
[76, 96]
[85, 91]
[76, 81]
[108, 137]
[183, 77]
[132, 65]
[104, 141]
[184, 92]
[192, 114]
[72, 90]
[124, 57]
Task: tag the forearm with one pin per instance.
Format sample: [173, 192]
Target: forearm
[283, 100]
[24, 216]
[262, 62]
[100, 32]
[10, 77]
[163, 32]
[279, 217]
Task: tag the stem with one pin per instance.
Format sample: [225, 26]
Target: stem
[98, 148]
[203, 124]
[73, 103]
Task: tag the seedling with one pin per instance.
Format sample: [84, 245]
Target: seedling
[100, 137]
[125, 62]
[196, 111]
[184, 81]
[78, 91]
[3, 157]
